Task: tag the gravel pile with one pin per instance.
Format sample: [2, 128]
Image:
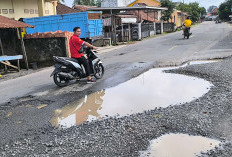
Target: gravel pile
[208, 116]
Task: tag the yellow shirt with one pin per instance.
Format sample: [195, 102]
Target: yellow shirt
[187, 23]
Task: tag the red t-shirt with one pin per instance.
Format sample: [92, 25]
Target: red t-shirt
[75, 45]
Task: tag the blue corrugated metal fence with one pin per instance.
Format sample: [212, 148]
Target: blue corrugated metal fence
[66, 22]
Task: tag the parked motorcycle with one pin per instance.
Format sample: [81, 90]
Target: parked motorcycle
[67, 69]
[217, 21]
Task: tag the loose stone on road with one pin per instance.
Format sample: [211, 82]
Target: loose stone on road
[26, 130]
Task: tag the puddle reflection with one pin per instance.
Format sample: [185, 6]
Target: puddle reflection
[179, 145]
[147, 91]
[77, 112]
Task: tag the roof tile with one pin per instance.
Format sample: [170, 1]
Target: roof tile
[6, 22]
[63, 9]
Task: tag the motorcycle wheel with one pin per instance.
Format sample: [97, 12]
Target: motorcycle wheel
[61, 82]
[99, 71]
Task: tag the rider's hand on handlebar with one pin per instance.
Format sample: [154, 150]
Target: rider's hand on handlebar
[95, 48]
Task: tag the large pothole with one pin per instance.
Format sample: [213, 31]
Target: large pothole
[151, 89]
[179, 145]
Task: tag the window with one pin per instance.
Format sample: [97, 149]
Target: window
[11, 11]
[32, 11]
[36, 11]
[26, 11]
[46, 11]
[4, 11]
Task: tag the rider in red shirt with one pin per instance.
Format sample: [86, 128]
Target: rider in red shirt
[75, 44]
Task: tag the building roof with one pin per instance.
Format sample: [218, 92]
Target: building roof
[214, 11]
[126, 8]
[63, 9]
[6, 22]
[148, 3]
[140, 4]
[83, 7]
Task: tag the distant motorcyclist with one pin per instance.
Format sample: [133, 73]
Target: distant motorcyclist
[187, 24]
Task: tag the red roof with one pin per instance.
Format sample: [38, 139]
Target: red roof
[215, 11]
[83, 7]
[63, 9]
[6, 22]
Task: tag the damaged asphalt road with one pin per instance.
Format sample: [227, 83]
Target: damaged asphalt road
[208, 116]
[26, 130]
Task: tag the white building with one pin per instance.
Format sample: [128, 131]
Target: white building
[115, 3]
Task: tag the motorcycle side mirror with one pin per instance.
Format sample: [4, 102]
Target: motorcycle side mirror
[94, 51]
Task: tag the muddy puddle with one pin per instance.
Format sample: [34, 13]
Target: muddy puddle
[179, 145]
[151, 89]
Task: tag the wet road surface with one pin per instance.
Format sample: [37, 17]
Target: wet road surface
[207, 42]
[148, 91]
[28, 131]
[179, 145]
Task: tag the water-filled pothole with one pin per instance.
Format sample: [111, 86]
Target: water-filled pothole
[151, 89]
[179, 145]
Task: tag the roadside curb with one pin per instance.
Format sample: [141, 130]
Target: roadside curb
[109, 48]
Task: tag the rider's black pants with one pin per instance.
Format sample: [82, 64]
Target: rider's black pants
[187, 29]
[85, 63]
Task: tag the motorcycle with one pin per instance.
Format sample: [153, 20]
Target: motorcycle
[186, 32]
[67, 69]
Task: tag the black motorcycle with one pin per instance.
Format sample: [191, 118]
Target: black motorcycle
[187, 32]
[67, 69]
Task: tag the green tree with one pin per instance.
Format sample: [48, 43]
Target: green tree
[98, 3]
[183, 7]
[225, 10]
[167, 14]
[202, 11]
[84, 2]
[193, 9]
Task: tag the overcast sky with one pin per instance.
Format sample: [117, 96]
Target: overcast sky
[203, 3]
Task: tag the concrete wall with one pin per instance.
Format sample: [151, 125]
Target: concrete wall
[19, 7]
[168, 27]
[38, 50]
[178, 18]
[10, 42]
[48, 7]
[102, 42]
[42, 50]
